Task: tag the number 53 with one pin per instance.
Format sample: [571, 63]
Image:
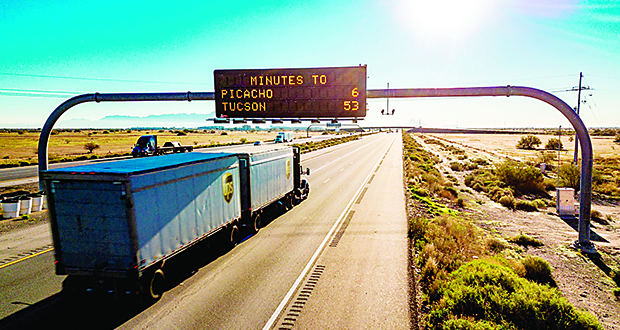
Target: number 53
[351, 105]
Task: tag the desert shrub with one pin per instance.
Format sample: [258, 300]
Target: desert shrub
[507, 201]
[538, 270]
[417, 228]
[539, 203]
[616, 291]
[482, 179]
[617, 138]
[243, 140]
[450, 242]
[471, 166]
[485, 291]
[554, 144]
[523, 205]
[496, 193]
[181, 133]
[451, 192]
[570, 176]
[460, 202]
[456, 166]
[481, 161]
[547, 157]
[91, 146]
[528, 142]
[549, 184]
[525, 240]
[496, 245]
[523, 178]
[224, 133]
[473, 324]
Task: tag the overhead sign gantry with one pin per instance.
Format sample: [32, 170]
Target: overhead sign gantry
[330, 92]
[337, 92]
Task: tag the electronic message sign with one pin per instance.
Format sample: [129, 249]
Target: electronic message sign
[335, 92]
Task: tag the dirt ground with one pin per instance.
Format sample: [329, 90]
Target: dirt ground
[581, 278]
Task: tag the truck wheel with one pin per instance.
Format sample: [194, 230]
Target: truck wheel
[156, 285]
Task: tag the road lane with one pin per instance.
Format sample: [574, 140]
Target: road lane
[360, 281]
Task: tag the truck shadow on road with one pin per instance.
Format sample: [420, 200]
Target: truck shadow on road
[101, 310]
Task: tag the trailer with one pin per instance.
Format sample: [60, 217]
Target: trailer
[115, 224]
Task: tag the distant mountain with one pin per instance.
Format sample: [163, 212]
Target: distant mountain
[120, 121]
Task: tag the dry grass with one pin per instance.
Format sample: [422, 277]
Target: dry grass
[603, 146]
[16, 148]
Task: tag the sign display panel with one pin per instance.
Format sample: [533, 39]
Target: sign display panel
[335, 92]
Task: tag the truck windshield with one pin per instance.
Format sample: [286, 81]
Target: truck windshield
[143, 141]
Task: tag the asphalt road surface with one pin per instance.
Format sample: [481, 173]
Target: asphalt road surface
[337, 260]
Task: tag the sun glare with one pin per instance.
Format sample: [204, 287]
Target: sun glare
[444, 18]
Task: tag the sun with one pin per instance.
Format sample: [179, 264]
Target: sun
[444, 18]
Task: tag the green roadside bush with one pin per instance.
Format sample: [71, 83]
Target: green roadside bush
[488, 295]
[456, 166]
[523, 178]
[528, 142]
[507, 201]
[538, 270]
[527, 206]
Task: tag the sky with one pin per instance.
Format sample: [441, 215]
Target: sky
[53, 50]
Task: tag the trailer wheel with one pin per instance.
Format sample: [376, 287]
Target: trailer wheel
[234, 235]
[256, 222]
[289, 201]
[156, 285]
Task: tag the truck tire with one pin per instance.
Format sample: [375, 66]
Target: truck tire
[155, 288]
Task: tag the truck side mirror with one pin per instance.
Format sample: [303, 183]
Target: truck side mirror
[308, 171]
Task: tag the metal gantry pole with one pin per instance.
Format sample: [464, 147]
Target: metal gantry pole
[111, 97]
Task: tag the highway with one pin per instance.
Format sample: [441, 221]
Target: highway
[347, 241]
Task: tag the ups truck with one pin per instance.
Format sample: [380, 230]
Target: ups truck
[115, 224]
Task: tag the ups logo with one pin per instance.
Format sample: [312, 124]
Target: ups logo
[228, 187]
[288, 169]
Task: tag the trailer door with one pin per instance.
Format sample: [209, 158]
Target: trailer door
[93, 229]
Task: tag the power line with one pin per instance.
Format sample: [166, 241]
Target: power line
[100, 79]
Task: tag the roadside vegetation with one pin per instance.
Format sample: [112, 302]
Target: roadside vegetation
[312, 146]
[19, 147]
[465, 277]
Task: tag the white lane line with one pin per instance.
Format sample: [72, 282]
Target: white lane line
[318, 251]
[326, 181]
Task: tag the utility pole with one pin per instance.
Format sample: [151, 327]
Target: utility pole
[387, 107]
[559, 150]
[578, 107]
